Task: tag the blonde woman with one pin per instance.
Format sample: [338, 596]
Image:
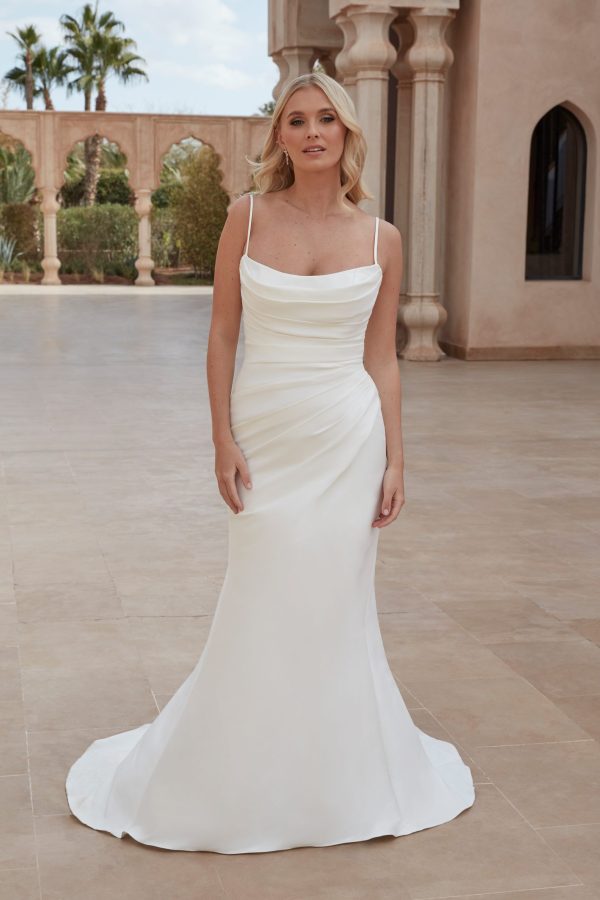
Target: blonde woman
[291, 731]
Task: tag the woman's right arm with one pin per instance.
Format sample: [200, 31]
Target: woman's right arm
[222, 343]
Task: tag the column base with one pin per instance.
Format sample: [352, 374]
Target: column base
[144, 265]
[422, 316]
[50, 265]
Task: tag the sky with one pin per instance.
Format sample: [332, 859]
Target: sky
[202, 57]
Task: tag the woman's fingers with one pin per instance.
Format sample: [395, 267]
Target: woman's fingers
[245, 474]
[389, 511]
[228, 462]
[234, 492]
[224, 491]
[229, 492]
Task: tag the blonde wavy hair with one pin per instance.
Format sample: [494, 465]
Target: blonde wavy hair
[272, 173]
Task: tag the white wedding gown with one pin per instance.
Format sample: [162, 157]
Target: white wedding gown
[291, 730]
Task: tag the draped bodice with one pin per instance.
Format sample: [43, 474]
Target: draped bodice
[312, 318]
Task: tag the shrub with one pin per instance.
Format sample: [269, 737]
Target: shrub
[20, 221]
[200, 210]
[166, 249]
[113, 187]
[102, 238]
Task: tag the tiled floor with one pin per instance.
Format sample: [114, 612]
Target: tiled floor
[112, 552]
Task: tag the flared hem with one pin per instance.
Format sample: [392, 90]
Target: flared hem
[391, 831]
[453, 773]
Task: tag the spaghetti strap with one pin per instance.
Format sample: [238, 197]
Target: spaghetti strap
[249, 222]
[376, 236]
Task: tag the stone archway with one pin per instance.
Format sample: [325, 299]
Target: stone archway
[144, 139]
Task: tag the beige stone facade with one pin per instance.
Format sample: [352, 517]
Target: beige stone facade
[464, 103]
[450, 94]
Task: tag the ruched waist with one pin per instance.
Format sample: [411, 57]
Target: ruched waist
[305, 351]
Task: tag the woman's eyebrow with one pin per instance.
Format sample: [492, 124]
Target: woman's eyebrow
[298, 112]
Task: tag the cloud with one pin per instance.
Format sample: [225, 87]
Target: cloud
[49, 28]
[211, 28]
[211, 53]
[213, 74]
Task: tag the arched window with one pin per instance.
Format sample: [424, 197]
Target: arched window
[555, 211]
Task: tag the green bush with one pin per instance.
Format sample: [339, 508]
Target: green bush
[103, 238]
[113, 187]
[200, 210]
[165, 246]
[20, 221]
[165, 194]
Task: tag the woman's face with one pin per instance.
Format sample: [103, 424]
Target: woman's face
[308, 120]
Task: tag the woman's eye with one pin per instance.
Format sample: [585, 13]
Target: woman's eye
[326, 118]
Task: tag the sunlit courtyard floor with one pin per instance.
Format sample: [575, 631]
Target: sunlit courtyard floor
[113, 549]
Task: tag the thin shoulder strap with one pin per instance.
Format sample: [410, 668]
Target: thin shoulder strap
[249, 222]
[376, 236]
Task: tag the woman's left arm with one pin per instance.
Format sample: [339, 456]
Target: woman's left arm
[381, 363]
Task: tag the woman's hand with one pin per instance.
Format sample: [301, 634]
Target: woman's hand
[392, 496]
[229, 460]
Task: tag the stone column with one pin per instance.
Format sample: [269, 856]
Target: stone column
[369, 59]
[429, 58]
[292, 61]
[344, 70]
[144, 263]
[403, 74]
[50, 262]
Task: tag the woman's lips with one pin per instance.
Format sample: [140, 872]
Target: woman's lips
[316, 150]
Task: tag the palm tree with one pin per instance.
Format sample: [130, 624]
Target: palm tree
[17, 178]
[79, 37]
[114, 54]
[51, 69]
[98, 51]
[28, 39]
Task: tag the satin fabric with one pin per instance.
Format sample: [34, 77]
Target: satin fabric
[290, 730]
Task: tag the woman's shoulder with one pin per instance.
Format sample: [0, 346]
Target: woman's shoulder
[389, 232]
[389, 243]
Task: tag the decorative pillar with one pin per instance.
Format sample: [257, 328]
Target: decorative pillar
[292, 61]
[429, 58]
[369, 58]
[144, 263]
[403, 75]
[344, 70]
[50, 262]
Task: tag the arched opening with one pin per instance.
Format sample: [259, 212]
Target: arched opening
[20, 217]
[556, 201]
[189, 209]
[96, 172]
[97, 225]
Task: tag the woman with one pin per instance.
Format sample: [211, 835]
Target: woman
[291, 731]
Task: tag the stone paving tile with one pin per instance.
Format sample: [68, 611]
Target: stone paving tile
[112, 554]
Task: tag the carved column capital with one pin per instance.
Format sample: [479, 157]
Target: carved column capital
[292, 61]
[372, 53]
[143, 201]
[49, 203]
[429, 56]
[344, 68]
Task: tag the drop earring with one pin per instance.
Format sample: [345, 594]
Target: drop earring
[287, 158]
